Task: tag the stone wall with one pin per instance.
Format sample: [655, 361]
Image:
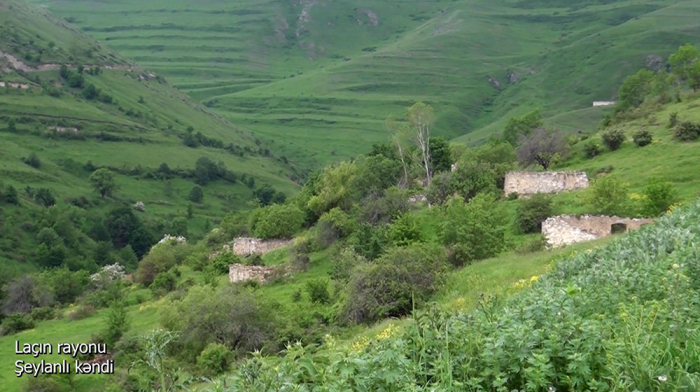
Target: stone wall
[529, 183]
[242, 273]
[570, 229]
[244, 246]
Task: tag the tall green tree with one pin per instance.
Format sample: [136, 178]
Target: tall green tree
[421, 117]
[103, 181]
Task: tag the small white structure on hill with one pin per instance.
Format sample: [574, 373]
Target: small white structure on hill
[603, 103]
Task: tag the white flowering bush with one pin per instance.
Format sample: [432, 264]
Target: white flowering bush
[172, 239]
[108, 274]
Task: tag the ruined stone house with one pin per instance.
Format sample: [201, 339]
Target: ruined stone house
[529, 183]
[570, 229]
[242, 273]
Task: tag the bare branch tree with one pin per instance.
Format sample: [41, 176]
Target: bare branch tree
[542, 147]
[399, 136]
[420, 116]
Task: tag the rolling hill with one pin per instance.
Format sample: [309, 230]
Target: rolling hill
[317, 78]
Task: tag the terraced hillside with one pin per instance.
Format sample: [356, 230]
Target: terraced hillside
[58, 125]
[324, 75]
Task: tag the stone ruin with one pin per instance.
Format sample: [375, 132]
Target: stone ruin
[529, 183]
[242, 273]
[570, 229]
[245, 246]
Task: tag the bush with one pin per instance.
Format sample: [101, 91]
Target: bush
[276, 221]
[687, 131]
[673, 119]
[591, 149]
[318, 291]
[531, 246]
[220, 264]
[609, 196]
[196, 194]
[613, 139]
[473, 231]
[658, 197]
[389, 286]
[406, 231]
[532, 212]
[81, 312]
[642, 138]
[214, 359]
[164, 282]
[33, 161]
[334, 225]
[16, 322]
[43, 313]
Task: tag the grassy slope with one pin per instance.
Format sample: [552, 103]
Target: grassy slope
[149, 139]
[287, 70]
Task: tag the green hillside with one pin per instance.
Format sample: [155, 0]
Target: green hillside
[323, 75]
[57, 126]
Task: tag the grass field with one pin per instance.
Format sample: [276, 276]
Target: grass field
[288, 73]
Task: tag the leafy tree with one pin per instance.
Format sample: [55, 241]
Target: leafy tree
[473, 231]
[125, 228]
[591, 149]
[335, 224]
[421, 118]
[684, 61]
[235, 319]
[532, 212]
[103, 253]
[11, 196]
[391, 286]
[33, 160]
[609, 196]
[76, 80]
[65, 285]
[164, 282]
[63, 71]
[440, 157]
[334, 188]
[128, 257]
[98, 231]
[472, 177]
[103, 180]
[635, 89]
[441, 189]
[369, 241]
[400, 136]
[24, 294]
[196, 194]
[44, 197]
[179, 226]
[406, 231]
[264, 194]
[542, 147]
[687, 131]
[318, 291]
[91, 92]
[50, 257]
[277, 221]
[613, 138]
[522, 126]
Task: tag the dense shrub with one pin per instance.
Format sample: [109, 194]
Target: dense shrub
[658, 197]
[613, 139]
[609, 196]
[389, 286]
[673, 120]
[531, 246]
[164, 282]
[441, 188]
[642, 138]
[318, 291]
[473, 231]
[687, 131]
[406, 231]
[16, 322]
[591, 149]
[532, 212]
[333, 225]
[214, 359]
[80, 312]
[369, 241]
[276, 221]
[161, 258]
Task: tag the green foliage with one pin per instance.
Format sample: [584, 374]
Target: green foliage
[44, 197]
[673, 120]
[591, 149]
[613, 138]
[634, 89]
[532, 212]
[125, 228]
[214, 359]
[335, 224]
[473, 177]
[164, 282]
[542, 147]
[33, 160]
[535, 245]
[473, 231]
[609, 196]
[369, 241]
[406, 231]
[334, 188]
[318, 291]
[687, 131]
[233, 318]
[117, 323]
[522, 126]
[65, 285]
[16, 322]
[440, 157]
[642, 138]
[390, 287]
[276, 221]
[658, 197]
[103, 181]
[196, 194]
[684, 61]
[159, 259]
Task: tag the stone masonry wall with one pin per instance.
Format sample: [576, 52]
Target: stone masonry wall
[529, 183]
[242, 273]
[244, 246]
[569, 229]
